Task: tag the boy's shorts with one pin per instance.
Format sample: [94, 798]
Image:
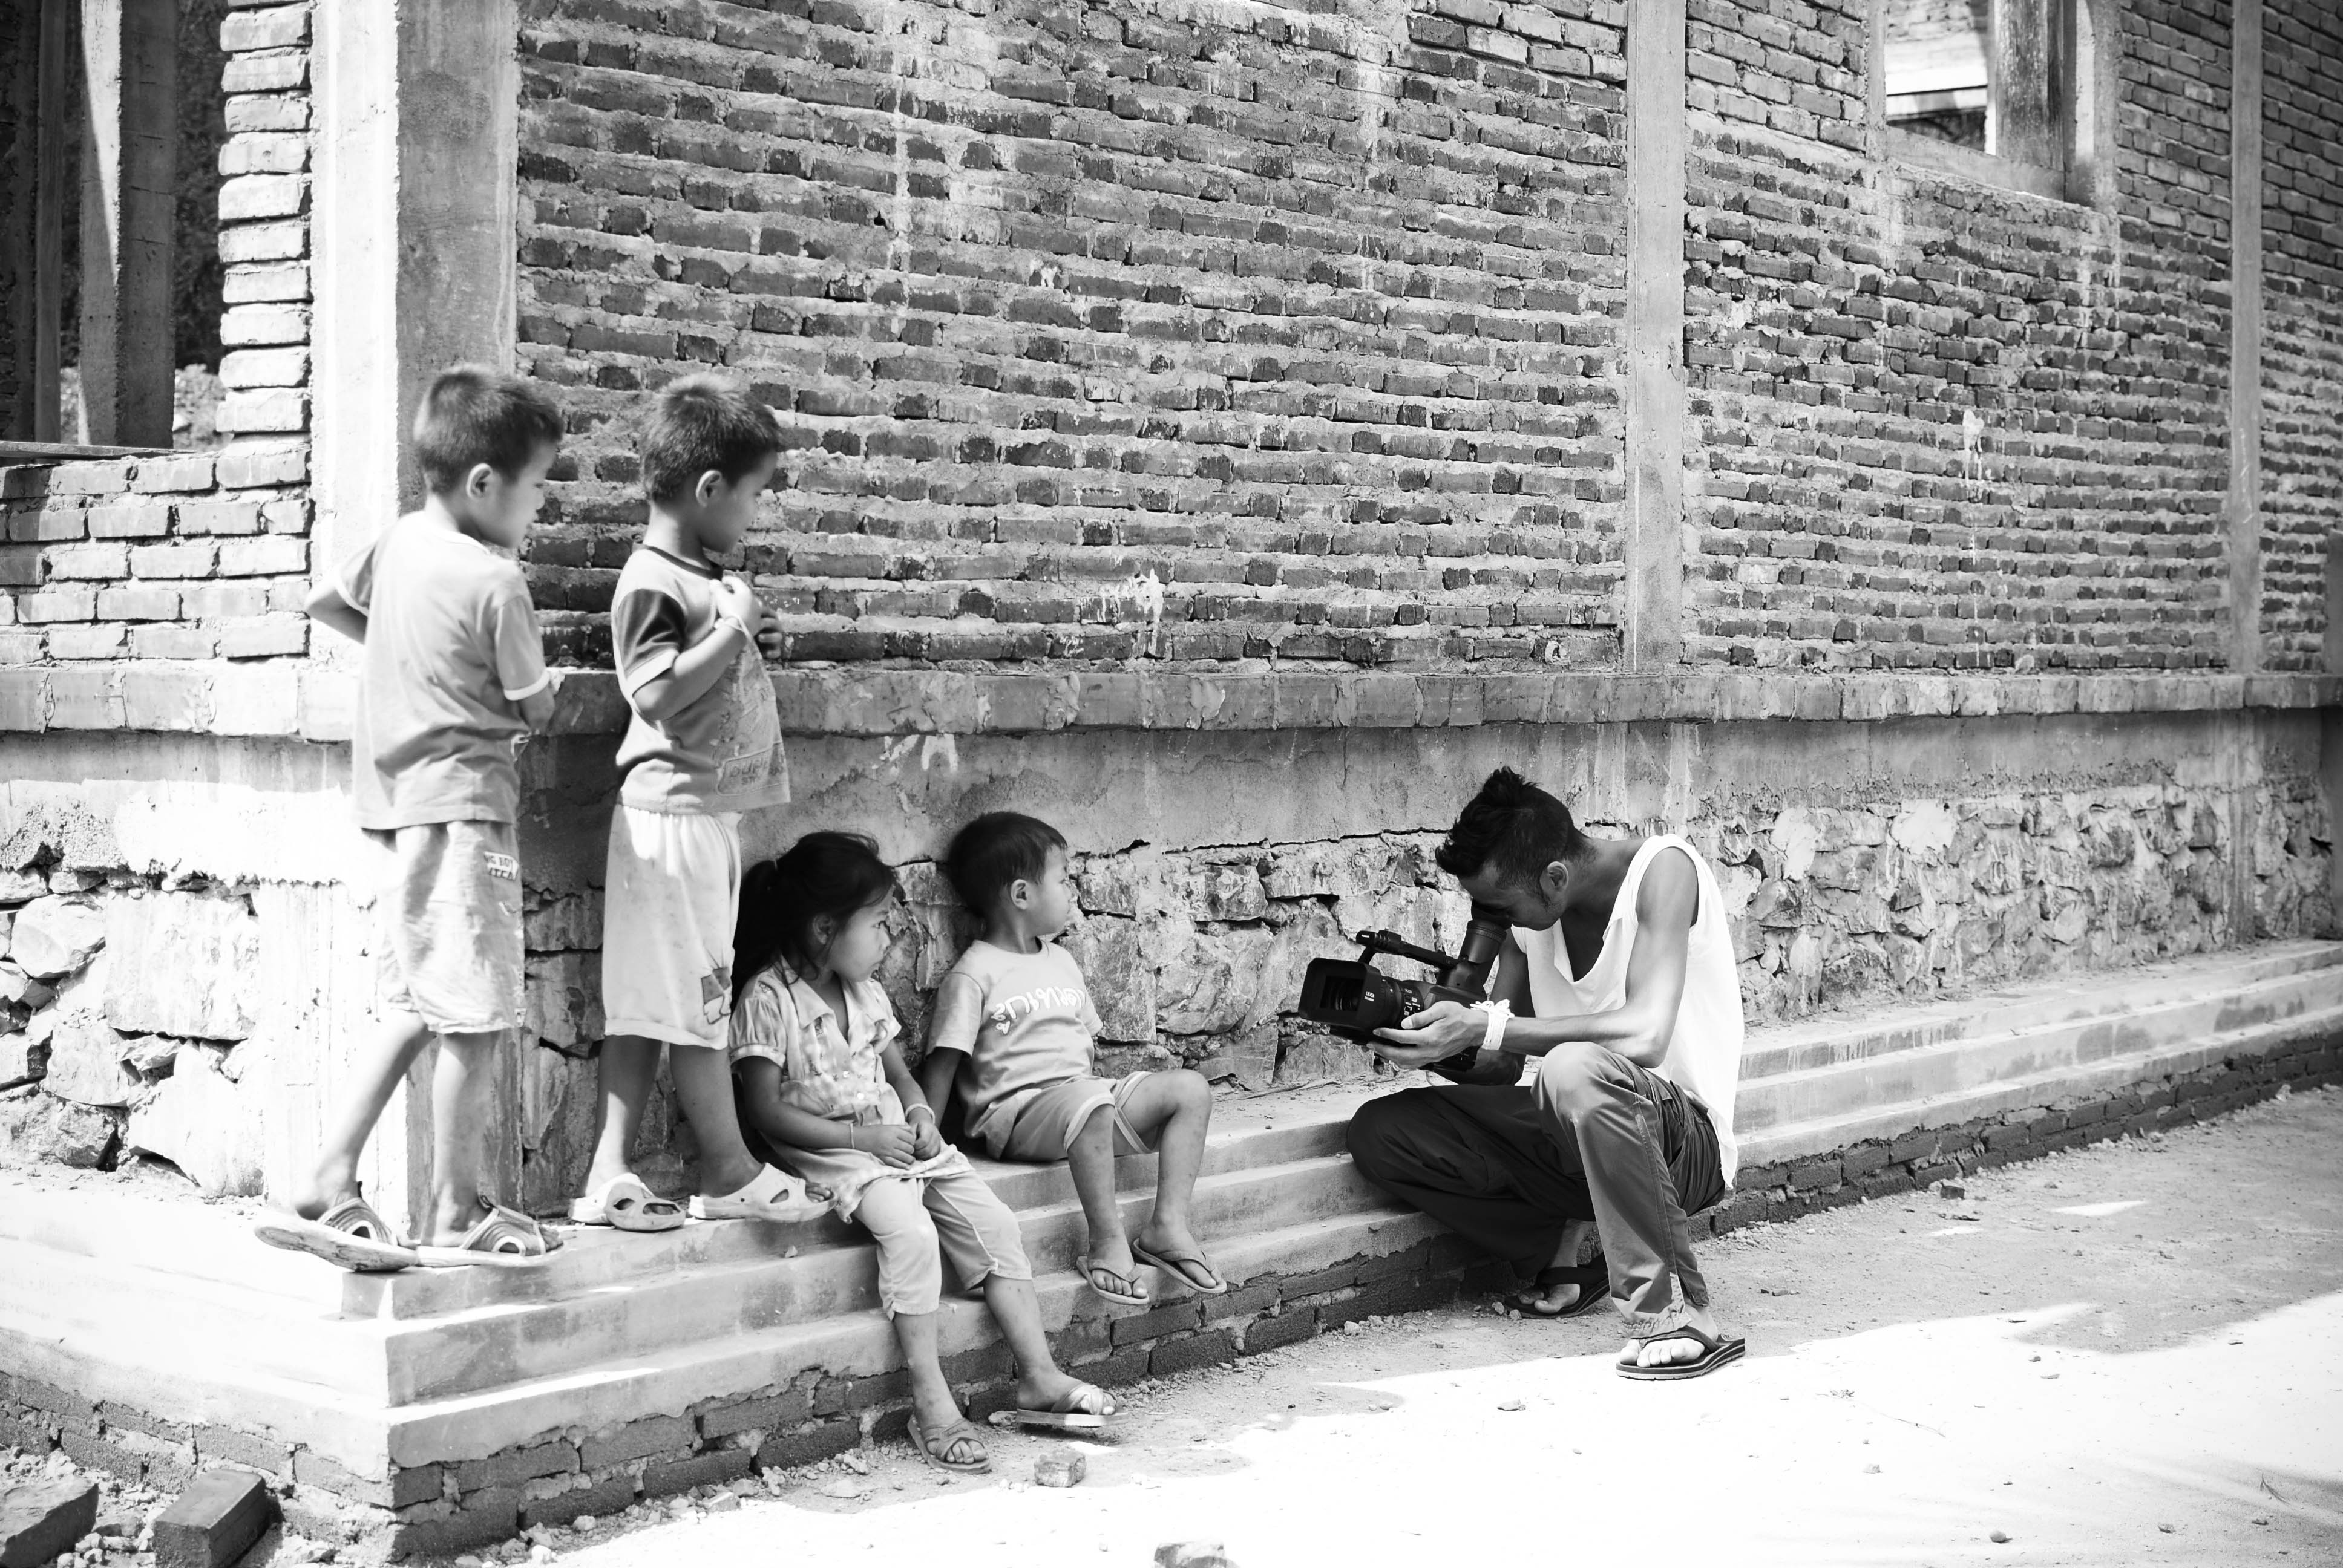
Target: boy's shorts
[670, 895]
[1047, 1124]
[449, 908]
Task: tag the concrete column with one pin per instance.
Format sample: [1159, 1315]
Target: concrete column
[1651, 336]
[130, 67]
[2245, 509]
[414, 241]
[2021, 112]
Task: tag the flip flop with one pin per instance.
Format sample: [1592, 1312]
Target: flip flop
[349, 1235]
[1126, 1292]
[1716, 1351]
[624, 1203]
[1594, 1283]
[1176, 1265]
[1064, 1414]
[772, 1195]
[934, 1446]
[505, 1239]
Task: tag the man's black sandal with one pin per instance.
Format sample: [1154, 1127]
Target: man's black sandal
[1594, 1283]
[1717, 1350]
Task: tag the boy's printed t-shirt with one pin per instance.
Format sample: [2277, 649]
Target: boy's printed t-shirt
[1025, 1021]
[722, 752]
[451, 651]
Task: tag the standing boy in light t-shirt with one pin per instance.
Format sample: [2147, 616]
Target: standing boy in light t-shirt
[703, 745]
[452, 677]
[1014, 1025]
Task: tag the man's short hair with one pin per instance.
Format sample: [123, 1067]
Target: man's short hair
[700, 423]
[988, 856]
[473, 414]
[1512, 828]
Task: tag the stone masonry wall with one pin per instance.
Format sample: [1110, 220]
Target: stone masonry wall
[2302, 315]
[1935, 424]
[1192, 331]
[193, 556]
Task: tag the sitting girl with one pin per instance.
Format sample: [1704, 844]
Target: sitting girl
[820, 1077]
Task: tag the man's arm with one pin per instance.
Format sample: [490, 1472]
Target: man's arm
[1639, 1029]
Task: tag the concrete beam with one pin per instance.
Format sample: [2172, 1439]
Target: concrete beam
[1652, 336]
[2244, 509]
[130, 52]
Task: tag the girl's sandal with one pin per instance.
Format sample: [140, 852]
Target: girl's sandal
[349, 1235]
[936, 1447]
[505, 1238]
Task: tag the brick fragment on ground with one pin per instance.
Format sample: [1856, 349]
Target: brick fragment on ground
[1060, 1470]
[214, 1521]
[43, 1519]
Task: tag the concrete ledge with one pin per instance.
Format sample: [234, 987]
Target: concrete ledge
[294, 699]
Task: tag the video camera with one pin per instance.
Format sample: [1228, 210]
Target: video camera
[1354, 999]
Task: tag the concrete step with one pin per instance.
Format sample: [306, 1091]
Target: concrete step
[2044, 1042]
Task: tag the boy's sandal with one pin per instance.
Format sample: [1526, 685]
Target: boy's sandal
[349, 1235]
[936, 1447]
[505, 1238]
[624, 1203]
[773, 1195]
[1177, 1265]
[1716, 1351]
[1123, 1290]
[1081, 1408]
[1594, 1283]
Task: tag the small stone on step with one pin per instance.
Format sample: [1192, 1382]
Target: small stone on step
[1192, 1554]
[1060, 1470]
[1999, 1538]
[1511, 1404]
[722, 1503]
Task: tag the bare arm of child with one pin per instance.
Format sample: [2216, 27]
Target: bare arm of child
[326, 607]
[781, 1123]
[698, 668]
[536, 710]
[937, 1071]
[927, 1142]
[953, 1028]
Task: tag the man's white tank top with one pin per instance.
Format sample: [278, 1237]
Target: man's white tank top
[1705, 1051]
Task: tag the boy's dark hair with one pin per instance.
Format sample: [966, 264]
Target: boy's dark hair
[699, 423]
[1512, 827]
[473, 414]
[992, 853]
[832, 874]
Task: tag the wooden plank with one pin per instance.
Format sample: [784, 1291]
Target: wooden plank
[1652, 336]
[130, 68]
[2244, 507]
[57, 36]
[2021, 119]
[68, 452]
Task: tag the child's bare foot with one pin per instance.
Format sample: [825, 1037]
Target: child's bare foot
[324, 1188]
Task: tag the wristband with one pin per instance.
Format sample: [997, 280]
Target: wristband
[915, 1110]
[737, 624]
[1493, 1037]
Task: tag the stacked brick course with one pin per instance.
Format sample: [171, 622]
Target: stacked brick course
[264, 236]
[2302, 324]
[1942, 425]
[1199, 334]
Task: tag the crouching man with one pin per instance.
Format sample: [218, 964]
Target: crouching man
[1622, 966]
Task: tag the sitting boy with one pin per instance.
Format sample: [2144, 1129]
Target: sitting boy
[1014, 1025]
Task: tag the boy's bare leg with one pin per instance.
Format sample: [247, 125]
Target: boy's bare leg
[381, 1062]
[1040, 1382]
[931, 1396]
[1174, 1111]
[462, 1097]
[1090, 1158]
[628, 1063]
[703, 1085]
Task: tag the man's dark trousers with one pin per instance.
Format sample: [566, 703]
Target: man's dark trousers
[1596, 1138]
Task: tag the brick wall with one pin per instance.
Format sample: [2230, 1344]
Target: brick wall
[2302, 317]
[1201, 333]
[1939, 424]
[197, 556]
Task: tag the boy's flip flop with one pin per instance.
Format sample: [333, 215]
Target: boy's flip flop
[624, 1203]
[1177, 1265]
[1065, 1413]
[1123, 1290]
[1594, 1283]
[932, 1446]
[772, 1195]
[505, 1238]
[1716, 1351]
[349, 1235]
